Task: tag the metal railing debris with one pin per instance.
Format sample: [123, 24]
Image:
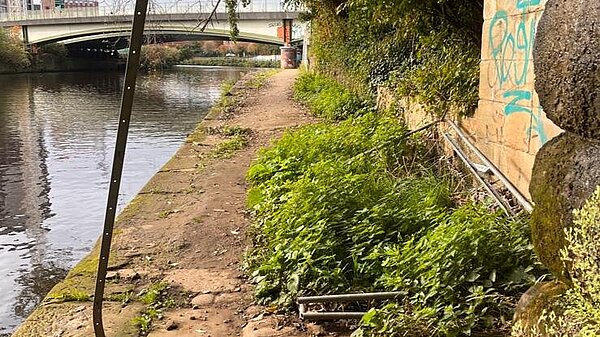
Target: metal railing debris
[341, 298]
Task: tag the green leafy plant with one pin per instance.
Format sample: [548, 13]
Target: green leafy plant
[326, 97]
[359, 206]
[419, 49]
[463, 275]
[156, 298]
[576, 312]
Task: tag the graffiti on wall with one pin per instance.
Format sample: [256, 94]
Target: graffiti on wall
[511, 39]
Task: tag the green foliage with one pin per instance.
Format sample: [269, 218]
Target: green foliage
[232, 6]
[322, 208]
[232, 62]
[577, 312]
[156, 298]
[428, 49]
[153, 294]
[229, 147]
[156, 56]
[461, 276]
[144, 321]
[358, 206]
[12, 50]
[326, 97]
[442, 75]
[55, 49]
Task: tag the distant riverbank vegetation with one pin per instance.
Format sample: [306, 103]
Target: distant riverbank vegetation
[13, 54]
[232, 62]
[14, 57]
[207, 53]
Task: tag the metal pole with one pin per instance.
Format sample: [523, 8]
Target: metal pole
[351, 297]
[473, 170]
[133, 63]
[513, 190]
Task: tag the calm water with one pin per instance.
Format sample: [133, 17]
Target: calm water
[57, 135]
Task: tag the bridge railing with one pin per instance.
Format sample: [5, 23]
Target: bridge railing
[155, 7]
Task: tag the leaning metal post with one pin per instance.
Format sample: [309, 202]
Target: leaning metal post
[133, 63]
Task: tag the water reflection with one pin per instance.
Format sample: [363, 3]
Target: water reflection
[56, 141]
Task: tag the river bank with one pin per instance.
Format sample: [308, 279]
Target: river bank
[46, 63]
[175, 261]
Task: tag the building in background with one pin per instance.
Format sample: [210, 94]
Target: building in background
[12, 6]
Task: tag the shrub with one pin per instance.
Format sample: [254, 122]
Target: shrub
[12, 50]
[326, 97]
[463, 275]
[158, 57]
[358, 206]
[415, 48]
[338, 210]
[577, 312]
[324, 202]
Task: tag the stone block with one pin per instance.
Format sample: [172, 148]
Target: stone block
[565, 174]
[516, 131]
[539, 298]
[567, 60]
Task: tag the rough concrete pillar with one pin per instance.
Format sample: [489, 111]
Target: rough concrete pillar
[567, 65]
[566, 172]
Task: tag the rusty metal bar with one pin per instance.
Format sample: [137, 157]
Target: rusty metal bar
[133, 64]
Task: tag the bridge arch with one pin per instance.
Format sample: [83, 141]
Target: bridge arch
[165, 35]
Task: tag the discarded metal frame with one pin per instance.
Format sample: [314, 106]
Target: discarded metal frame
[133, 63]
[342, 298]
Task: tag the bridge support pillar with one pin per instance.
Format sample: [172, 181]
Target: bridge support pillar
[288, 54]
[25, 34]
[288, 57]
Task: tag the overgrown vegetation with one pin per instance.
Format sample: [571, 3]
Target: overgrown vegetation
[155, 56]
[358, 206]
[426, 49]
[577, 312]
[12, 50]
[326, 97]
[231, 62]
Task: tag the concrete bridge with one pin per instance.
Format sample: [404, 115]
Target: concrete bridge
[263, 22]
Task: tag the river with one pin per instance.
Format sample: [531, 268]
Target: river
[57, 134]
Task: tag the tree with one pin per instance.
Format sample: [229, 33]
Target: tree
[12, 50]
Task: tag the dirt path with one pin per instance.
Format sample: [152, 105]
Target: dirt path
[186, 229]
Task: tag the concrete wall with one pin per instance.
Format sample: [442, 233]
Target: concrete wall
[509, 125]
